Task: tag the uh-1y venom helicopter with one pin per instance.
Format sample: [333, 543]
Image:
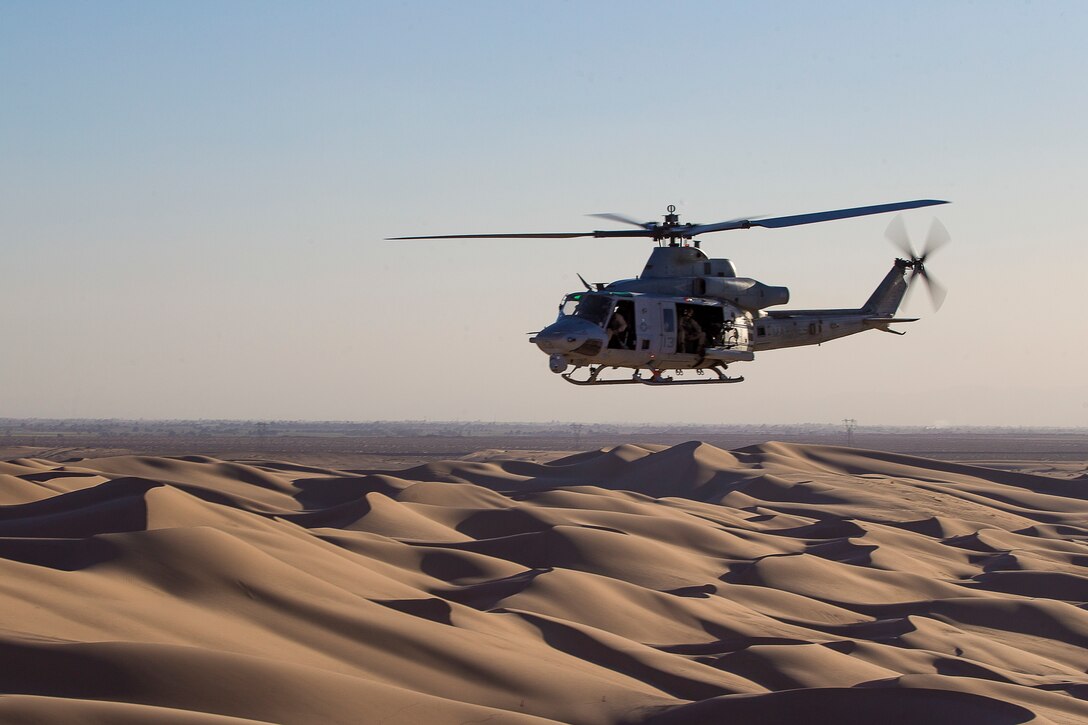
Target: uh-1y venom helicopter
[686, 311]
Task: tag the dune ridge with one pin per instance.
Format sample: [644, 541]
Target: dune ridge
[773, 583]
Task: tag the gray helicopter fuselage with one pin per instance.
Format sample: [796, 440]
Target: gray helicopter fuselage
[730, 322]
[651, 338]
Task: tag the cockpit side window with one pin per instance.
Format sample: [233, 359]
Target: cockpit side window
[594, 308]
[570, 304]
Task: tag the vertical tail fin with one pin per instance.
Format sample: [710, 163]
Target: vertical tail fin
[888, 295]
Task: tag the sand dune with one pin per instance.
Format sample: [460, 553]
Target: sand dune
[776, 583]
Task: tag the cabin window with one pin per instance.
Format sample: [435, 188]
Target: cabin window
[594, 308]
[670, 320]
[761, 331]
[645, 344]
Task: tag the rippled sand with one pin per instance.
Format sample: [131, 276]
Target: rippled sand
[776, 583]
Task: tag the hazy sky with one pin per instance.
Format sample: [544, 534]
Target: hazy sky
[193, 198]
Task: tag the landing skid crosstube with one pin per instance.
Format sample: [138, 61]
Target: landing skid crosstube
[656, 378]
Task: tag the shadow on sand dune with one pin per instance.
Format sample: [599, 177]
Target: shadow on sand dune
[777, 583]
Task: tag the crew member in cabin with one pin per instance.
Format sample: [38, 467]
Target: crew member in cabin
[617, 331]
[692, 337]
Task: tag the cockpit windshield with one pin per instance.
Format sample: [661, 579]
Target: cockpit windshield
[594, 308]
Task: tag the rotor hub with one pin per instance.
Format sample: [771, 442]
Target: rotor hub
[672, 218]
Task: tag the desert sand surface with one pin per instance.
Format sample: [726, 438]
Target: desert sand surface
[772, 583]
[403, 444]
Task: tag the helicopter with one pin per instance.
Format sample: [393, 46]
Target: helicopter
[686, 311]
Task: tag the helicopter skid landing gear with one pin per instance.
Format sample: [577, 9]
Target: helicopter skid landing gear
[593, 379]
[656, 378]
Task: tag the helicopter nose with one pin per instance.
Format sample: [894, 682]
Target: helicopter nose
[567, 335]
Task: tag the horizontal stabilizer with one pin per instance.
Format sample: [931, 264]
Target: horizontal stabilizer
[879, 321]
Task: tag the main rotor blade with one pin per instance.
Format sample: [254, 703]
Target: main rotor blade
[690, 231]
[937, 238]
[738, 223]
[556, 235]
[826, 216]
[896, 233]
[626, 233]
[553, 235]
[822, 216]
[741, 222]
[622, 219]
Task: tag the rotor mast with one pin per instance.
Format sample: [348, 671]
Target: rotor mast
[673, 230]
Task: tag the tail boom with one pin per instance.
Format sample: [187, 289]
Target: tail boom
[794, 328]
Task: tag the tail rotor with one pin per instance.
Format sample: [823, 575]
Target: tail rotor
[936, 238]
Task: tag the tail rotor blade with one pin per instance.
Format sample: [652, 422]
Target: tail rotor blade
[896, 233]
[909, 291]
[937, 238]
[936, 290]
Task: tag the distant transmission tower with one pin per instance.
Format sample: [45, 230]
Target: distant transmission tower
[850, 424]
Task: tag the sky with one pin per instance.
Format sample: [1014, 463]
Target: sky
[194, 198]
